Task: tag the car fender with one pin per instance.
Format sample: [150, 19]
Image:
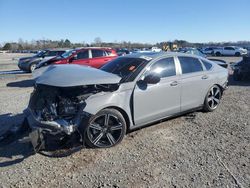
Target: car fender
[118, 99]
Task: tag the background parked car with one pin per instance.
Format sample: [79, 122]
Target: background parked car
[209, 50]
[29, 63]
[156, 49]
[122, 52]
[193, 51]
[242, 69]
[90, 56]
[230, 51]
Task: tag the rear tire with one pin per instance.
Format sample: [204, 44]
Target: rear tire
[218, 54]
[212, 99]
[105, 129]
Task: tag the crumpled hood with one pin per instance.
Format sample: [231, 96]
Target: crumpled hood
[75, 75]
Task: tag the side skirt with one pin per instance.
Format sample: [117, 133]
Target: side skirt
[135, 127]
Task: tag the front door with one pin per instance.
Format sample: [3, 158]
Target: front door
[81, 58]
[229, 51]
[155, 101]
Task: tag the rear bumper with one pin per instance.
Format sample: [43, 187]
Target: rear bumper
[225, 85]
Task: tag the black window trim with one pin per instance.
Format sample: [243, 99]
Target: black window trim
[203, 67]
[104, 52]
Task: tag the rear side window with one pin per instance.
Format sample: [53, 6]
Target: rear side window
[98, 53]
[164, 67]
[190, 65]
[108, 52]
[207, 64]
[228, 48]
[51, 53]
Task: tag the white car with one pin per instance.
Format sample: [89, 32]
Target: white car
[209, 50]
[230, 51]
[156, 49]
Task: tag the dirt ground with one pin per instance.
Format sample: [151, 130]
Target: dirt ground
[195, 150]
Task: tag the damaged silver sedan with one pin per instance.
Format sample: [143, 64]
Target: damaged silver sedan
[98, 106]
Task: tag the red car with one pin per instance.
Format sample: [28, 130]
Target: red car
[91, 56]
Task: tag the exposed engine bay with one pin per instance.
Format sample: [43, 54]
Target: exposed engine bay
[59, 111]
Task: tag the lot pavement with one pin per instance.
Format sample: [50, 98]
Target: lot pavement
[195, 150]
[8, 61]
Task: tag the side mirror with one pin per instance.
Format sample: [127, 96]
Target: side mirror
[152, 79]
[73, 59]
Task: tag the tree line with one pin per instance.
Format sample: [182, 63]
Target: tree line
[66, 43]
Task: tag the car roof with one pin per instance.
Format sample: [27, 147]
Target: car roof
[154, 55]
[59, 49]
[103, 48]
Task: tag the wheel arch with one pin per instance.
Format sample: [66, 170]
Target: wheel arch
[124, 114]
[221, 88]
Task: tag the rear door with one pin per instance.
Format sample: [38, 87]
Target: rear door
[194, 82]
[81, 58]
[99, 58]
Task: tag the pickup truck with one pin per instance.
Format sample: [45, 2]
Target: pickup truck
[230, 51]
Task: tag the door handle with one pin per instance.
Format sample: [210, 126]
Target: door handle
[204, 77]
[175, 83]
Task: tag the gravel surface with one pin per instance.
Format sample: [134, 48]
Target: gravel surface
[195, 150]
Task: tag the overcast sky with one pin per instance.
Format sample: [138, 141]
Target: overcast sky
[130, 20]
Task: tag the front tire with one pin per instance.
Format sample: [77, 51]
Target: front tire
[105, 129]
[212, 99]
[237, 54]
[32, 67]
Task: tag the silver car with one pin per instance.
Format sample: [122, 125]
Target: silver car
[102, 105]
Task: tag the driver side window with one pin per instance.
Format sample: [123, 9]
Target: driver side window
[163, 68]
[83, 55]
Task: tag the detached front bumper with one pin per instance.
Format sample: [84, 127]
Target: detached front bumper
[52, 135]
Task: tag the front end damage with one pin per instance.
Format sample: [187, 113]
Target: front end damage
[56, 114]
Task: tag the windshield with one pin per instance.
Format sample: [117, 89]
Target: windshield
[68, 53]
[53, 53]
[41, 53]
[125, 67]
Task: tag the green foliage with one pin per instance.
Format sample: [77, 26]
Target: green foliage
[7, 46]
